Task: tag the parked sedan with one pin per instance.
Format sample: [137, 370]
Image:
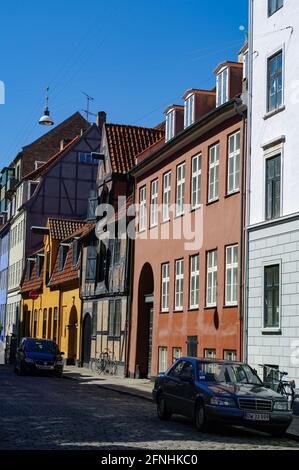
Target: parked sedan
[38, 355]
[220, 391]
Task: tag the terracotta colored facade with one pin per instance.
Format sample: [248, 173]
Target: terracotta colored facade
[160, 336]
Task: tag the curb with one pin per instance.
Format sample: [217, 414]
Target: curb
[113, 389]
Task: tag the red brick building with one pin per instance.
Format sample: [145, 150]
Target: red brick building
[186, 297]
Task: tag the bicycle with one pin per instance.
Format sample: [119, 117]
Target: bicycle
[274, 379]
[105, 364]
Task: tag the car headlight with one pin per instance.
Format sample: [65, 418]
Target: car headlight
[29, 361]
[217, 401]
[281, 406]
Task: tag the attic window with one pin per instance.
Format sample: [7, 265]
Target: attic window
[39, 265]
[170, 125]
[222, 87]
[29, 268]
[75, 257]
[31, 188]
[62, 257]
[189, 111]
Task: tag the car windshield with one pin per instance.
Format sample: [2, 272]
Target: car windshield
[218, 372]
[45, 347]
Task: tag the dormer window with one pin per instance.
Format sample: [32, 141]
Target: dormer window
[222, 87]
[29, 267]
[62, 257]
[76, 252]
[189, 111]
[39, 265]
[274, 6]
[170, 125]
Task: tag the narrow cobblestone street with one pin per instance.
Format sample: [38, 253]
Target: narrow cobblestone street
[45, 413]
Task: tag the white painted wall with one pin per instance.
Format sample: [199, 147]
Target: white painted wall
[267, 39]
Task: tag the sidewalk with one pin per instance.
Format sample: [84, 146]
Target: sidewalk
[136, 388]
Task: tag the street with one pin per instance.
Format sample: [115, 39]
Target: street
[45, 413]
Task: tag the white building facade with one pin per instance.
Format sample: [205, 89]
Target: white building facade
[272, 300]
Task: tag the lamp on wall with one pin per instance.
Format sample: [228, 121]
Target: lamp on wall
[46, 120]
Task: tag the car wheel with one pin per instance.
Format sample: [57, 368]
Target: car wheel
[278, 432]
[162, 410]
[200, 417]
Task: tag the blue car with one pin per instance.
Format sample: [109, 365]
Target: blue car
[220, 391]
[38, 355]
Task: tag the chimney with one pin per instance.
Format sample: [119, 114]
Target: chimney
[101, 119]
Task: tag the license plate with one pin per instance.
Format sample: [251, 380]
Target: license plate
[45, 367]
[257, 416]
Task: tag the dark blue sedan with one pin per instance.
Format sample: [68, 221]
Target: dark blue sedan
[220, 391]
[38, 355]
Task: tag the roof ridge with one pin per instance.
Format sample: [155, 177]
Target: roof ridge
[134, 126]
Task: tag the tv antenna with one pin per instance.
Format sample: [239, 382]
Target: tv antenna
[87, 111]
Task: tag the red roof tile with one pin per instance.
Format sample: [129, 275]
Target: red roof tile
[34, 283]
[61, 229]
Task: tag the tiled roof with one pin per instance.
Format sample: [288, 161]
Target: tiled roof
[126, 142]
[82, 231]
[41, 170]
[34, 283]
[61, 229]
[69, 272]
[150, 150]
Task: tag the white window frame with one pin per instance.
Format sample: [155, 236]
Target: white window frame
[212, 272]
[196, 182]
[170, 125]
[142, 209]
[232, 268]
[189, 111]
[230, 355]
[162, 359]
[234, 156]
[194, 282]
[210, 353]
[166, 196]
[222, 94]
[180, 189]
[269, 263]
[154, 203]
[214, 170]
[179, 285]
[177, 353]
[165, 283]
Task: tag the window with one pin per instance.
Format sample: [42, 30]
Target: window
[102, 267]
[35, 320]
[271, 297]
[210, 353]
[274, 6]
[94, 325]
[273, 176]
[62, 257]
[75, 254]
[45, 324]
[91, 265]
[229, 355]
[39, 265]
[116, 251]
[50, 323]
[85, 158]
[214, 173]
[48, 261]
[154, 203]
[180, 189]
[189, 117]
[28, 270]
[233, 184]
[176, 354]
[142, 203]
[222, 87]
[114, 329]
[55, 325]
[165, 288]
[192, 345]
[162, 360]
[212, 279]
[275, 84]
[231, 278]
[38, 164]
[92, 206]
[179, 284]
[170, 125]
[166, 196]
[196, 181]
[194, 281]
[246, 66]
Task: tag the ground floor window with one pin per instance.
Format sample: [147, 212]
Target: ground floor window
[210, 353]
[192, 346]
[162, 359]
[114, 330]
[229, 355]
[45, 314]
[55, 325]
[35, 320]
[271, 296]
[176, 354]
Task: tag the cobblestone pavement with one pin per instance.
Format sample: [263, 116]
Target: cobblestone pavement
[39, 413]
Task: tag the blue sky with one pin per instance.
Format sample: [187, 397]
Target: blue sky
[133, 56]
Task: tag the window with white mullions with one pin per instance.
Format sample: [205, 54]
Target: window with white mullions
[194, 281]
[166, 196]
[170, 125]
[274, 6]
[272, 296]
[212, 269]
[162, 359]
[196, 181]
[231, 278]
[189, 111]
[275, 82]
[233, 184]
[154, 203]
[179, 284]
[222, 87]
[273, 187]
[214, 173]
[165, 288]
[142, 213]
[180, 189]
